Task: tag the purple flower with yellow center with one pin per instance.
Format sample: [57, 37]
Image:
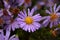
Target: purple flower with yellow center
[7, 36]
[28, 21]
[53, 17]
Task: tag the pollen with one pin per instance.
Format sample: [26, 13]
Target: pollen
[53, 16]
[28, 20]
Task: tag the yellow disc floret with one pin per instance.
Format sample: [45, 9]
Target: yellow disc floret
[28, 20]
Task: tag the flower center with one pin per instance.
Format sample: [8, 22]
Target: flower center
[28, 20]
[53, 16]
[11, 20]
[5, 12]
[27, 1]
[14, 10]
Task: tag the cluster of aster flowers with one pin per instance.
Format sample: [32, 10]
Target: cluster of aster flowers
[12, 17]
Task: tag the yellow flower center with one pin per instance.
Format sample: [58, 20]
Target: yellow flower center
[53, 16]
[28, 20]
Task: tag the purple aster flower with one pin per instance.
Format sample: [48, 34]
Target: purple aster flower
[7, 15]
[7, 36]
[53, 17]
[13, 24]
[28, 21]
[10, 23]
[5, 18]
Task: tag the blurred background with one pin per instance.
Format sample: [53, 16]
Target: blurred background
[44, 33]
